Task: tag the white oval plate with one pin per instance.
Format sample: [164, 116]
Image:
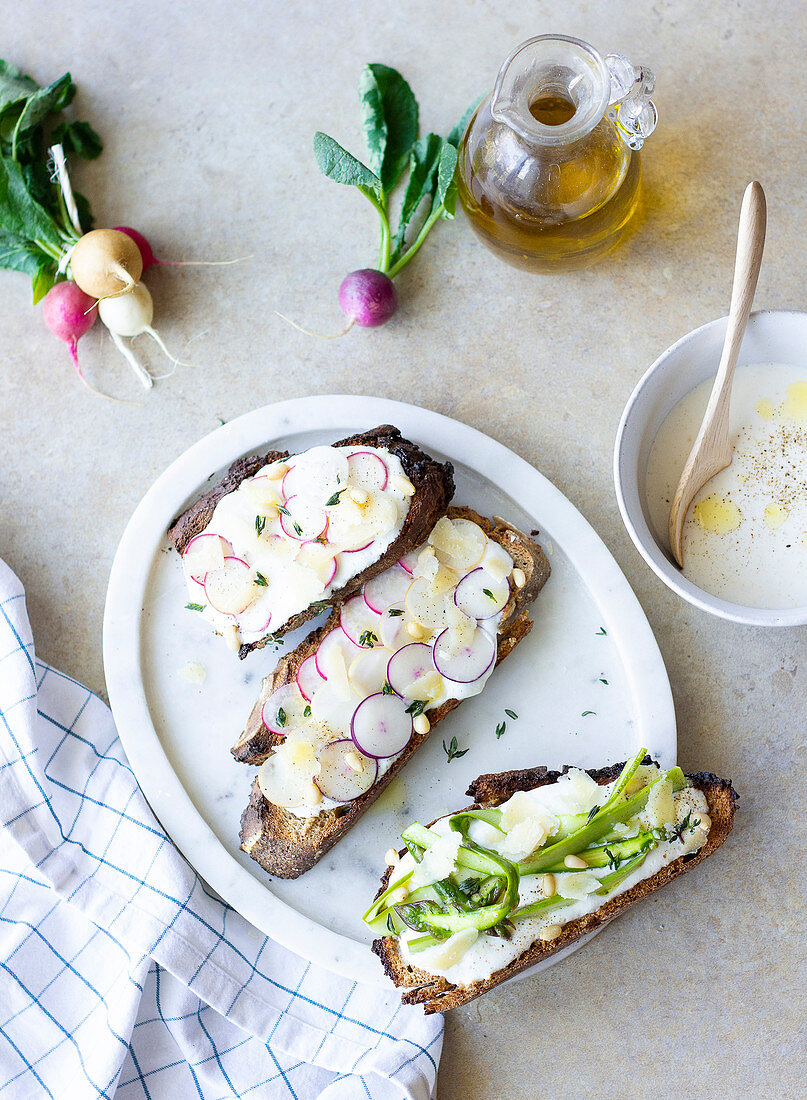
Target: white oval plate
[177, 734]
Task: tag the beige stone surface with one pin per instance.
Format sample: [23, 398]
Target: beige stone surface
[207, 111]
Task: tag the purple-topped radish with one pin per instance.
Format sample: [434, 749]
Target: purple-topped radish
[303, 519]
[309, 678]
[381, 726]
[345, 772]
[368, 471]
[467, 663]
[368, 297]
[479, 596]
[387, 589]
[284, 710]
[231, 589]
[411, 663]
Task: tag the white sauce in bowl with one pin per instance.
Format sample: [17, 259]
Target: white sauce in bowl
[745, 538]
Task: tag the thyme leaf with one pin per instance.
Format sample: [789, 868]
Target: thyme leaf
[452, 750]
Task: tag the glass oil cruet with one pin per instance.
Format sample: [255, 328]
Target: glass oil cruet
[549, 168]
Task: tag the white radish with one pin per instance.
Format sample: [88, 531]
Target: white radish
[231, 589]
[287, 777]
[367, 470]
[409, 665]
[284, 710]
[361, 624]
[345, 773]
[131, 314]
[303, 519]
[388, 589]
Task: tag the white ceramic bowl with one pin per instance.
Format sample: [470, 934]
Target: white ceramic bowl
[772, 336]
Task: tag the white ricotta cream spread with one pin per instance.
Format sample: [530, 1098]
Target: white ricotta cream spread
[745, 538]
[469, 956]
[292, 534]
[420, 633]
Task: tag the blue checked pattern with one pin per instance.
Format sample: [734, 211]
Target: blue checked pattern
[121, 973]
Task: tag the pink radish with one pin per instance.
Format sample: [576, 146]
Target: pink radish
[230, 590]
[284, 710]
[368, 470]
[387, 589]
[309, 678]
[335, 639]
[205, 553]
[303, 520]
[345, 773]
[360, 623]
[368, 297]
[148, 257]
[69, 313]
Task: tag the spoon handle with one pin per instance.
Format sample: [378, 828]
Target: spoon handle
[712, 451]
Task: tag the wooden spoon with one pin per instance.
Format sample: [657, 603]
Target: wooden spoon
[712, 450]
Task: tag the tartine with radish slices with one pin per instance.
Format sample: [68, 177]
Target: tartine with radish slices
[343, 713]
[281, 538]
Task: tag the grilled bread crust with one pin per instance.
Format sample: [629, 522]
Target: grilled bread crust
[286, 845]
[434, 488]
[437, 994]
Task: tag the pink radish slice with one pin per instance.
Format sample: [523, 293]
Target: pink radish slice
[388, 588]
[470, 662]
[202, 555]
[393, 629]
[381, 727]
[305, 519]
[367, 470]
[360, 623]
[289, 700]
[230, 589]
[320, 558]
[255, 620]
[317, 474]
[337, 779]
[479, 596]
[368, 671]
[409, 561]
[334, 639]
[356, 549]
[407, 666]
[309, 678]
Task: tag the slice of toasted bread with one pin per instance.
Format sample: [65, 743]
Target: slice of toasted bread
[434, 488]
[287, 845]
[437, 994]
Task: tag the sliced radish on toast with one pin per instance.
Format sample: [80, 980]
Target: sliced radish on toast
[381, 725]
[467, 663]
[479, 596]
[231, 589]
[345, 772]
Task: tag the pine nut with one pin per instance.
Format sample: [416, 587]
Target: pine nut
[519, 578]
[397, 896]
[277, 470]
[403, 485]
[391, 858]
[357, 495]
[702, 821]
[353, 761]
[551, 932]
[232, 637]
[577, 862]
[548, 886]
[421, 724]
[415, 630]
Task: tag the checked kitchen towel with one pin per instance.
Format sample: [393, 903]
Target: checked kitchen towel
[120, 972]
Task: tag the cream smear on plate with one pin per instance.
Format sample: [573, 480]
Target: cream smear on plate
[745, 537]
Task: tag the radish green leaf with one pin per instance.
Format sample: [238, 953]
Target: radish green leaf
[390, 117]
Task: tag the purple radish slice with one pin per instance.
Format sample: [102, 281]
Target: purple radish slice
[303, 520]
[288, 700]
[388, 588]
[407, 666]
[338, 778]
[367, 470]
[205, 553]
[230, 589]
[393, 629]
[479, 596]
[381, 726]
[470, 662]
[255, 620]
[317, 474]
[360, 623]
[309, 678]
[368, 671]
[334, 640]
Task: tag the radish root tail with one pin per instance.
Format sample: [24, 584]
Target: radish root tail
[201, 263]
[73, 348]
[134, 363]
[319, 335]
